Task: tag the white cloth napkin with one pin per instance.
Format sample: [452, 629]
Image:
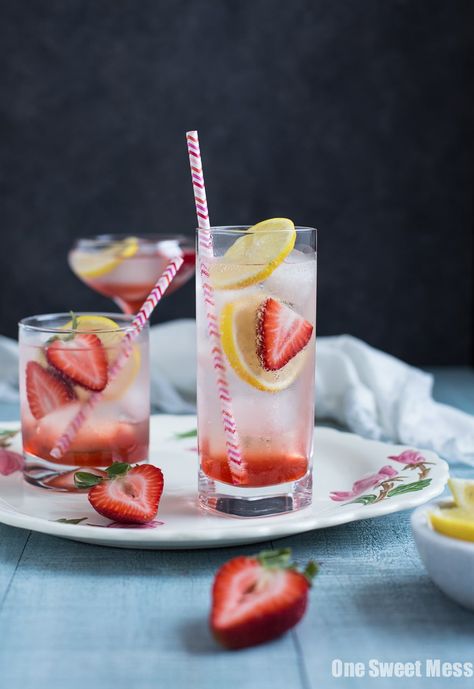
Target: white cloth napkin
[367, 391]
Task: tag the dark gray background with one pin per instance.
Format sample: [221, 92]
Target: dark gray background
[354, 116]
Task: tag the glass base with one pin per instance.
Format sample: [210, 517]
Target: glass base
[59, 477]
[265, 501]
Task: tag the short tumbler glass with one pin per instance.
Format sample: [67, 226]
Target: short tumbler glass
[59, 364]
[273, 410]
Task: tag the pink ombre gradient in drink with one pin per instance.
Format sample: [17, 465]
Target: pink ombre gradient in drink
[275, 429]
[116, 430]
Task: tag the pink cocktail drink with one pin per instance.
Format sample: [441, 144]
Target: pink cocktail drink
[65, 360]
[265, 303]
[126, 268]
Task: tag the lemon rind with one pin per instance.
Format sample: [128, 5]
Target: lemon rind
[235, 360]
[451, 525]
[263, 273]
[458, 486]
[135, 357]
[128, 248]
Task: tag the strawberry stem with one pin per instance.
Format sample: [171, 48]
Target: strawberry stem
[281, 559]
[83, 479]
[118, 469]
[310, 571]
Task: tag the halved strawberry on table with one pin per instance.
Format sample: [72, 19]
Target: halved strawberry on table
[81, 358]
[256, 599]
[281, 334]
[126, 494]
[46, 391]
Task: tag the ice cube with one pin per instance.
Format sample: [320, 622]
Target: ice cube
[137, 270]
[294, 281]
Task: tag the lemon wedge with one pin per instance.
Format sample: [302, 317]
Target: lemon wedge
[238, 328]
[462, 490]
[109, 333]
[94, 264]
[255, 255]
[455, 522]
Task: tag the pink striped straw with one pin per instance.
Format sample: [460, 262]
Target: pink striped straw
[126, 348]
[235, 460]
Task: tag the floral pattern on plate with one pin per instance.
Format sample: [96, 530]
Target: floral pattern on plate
[385, 481]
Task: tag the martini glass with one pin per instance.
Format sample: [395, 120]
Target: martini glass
[125, 268]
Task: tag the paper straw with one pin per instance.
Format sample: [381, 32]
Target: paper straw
[126, 347]
[235, 460]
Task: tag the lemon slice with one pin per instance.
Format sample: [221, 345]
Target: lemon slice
[462, 491]
[238, 326]
[255, 255]
[109, 333]
[94, 264]
[454, 521]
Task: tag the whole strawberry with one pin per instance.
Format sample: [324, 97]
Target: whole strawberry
[256, 599]
[125, 494]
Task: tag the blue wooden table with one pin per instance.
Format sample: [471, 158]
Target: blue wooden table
[75, 616]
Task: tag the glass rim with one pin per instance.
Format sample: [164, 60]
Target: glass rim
[148, 239]
[33, 323]
[238, 229]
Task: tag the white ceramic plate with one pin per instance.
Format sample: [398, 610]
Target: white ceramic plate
[344, 463]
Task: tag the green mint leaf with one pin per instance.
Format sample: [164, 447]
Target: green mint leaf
[186, 434]
[63, 520]
[83, 479]
[409, 487]
[118, 469]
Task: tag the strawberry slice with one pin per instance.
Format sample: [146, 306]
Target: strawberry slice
[127, 494]
[255, 599]
[281, 334]
[45, 390]
[81, 358]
